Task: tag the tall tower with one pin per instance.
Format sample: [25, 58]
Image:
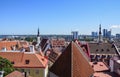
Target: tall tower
[38, 41]
[38, 37]
[100, 35]
[75, 35]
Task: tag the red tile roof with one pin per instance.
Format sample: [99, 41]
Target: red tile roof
[20, 58]
[100, 66]
[72, 63]
[57, 42]
[54, 54]
[9, 44]
[15, 74]
[84, 46]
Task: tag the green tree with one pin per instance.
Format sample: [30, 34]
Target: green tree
[6, 66]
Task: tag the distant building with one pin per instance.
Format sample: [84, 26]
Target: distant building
[94, 34]
[115, 65]
[107, 34]
[118, 36]
[60, 42]
[102, 51]
[75, 35]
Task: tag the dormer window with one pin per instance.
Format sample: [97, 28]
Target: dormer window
[27, 61]
[102, 49]
[97, 50]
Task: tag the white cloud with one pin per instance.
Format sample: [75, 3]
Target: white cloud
[115, 26]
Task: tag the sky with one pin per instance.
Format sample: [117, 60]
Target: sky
[58, 16]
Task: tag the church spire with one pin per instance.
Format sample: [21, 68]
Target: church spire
[38, 33]
[100, 34]
[38, 37]
[38, 40]
[100, 29]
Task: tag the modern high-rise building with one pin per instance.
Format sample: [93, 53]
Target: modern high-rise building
[75, 35]
[118, 36]
[109, 35]
[94, 34]
[106, 33]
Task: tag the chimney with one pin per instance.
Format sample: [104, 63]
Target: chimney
[31, 48]
[4, 49]
[14, 48]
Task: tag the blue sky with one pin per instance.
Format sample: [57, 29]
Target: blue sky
[58, 16]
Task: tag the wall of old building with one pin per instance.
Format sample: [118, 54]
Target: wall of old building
[35, 72]
[117, 67]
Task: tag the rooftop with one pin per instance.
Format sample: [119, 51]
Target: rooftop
[10, 44]
[72, 63]
[25, 60]
[15, 74]
[102, 48]
[99, 66]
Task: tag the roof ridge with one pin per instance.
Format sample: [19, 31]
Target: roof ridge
[72, 63]
[79, 48]
[40, 59]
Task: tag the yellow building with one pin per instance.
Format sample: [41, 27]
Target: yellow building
[33, 64]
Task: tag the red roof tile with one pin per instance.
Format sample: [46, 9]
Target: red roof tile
[15, 74]
[19, 59]
[9, 44]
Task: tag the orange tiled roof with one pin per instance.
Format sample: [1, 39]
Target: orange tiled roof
[72, 63]
[20, 58]
[9, 44]
[58, 42]
[15, 74]
[100, 66]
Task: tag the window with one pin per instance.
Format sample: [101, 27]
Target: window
[102, 50]
[27, 61]
[22, 70]
[97, 50]
[37, 71]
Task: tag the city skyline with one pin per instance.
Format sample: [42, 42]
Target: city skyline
[58, 16]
